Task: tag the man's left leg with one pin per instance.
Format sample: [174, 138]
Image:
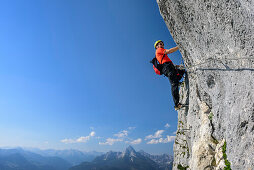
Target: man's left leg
[175, 93]
[174, 87]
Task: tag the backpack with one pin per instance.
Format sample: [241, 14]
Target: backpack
[157, 66]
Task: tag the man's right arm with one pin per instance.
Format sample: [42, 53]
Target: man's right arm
[171, 50]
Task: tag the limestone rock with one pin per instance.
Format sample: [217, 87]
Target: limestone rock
[216, 40]
[219, 156]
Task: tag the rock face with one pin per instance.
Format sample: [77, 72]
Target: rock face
[216, 39]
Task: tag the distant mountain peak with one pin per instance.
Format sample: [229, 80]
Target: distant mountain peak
[129, 159]
[130, 149]
[129, 152]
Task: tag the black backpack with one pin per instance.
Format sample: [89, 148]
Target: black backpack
[157, 66]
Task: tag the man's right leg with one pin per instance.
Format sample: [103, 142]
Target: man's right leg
[181, 73]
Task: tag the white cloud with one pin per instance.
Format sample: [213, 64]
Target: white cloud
[82, 139]
[68, 141]
[131, 128]
[110, 141]
[153, 141]
[167, 125]
[92, 133]
[170, 138]
[156, 135]
[122, 134]
[135, 142]
[161, 140]
[174, 132]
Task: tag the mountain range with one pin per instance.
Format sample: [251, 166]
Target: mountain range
[74, 157]
[128, 160]
[36, 159]
[19, 159]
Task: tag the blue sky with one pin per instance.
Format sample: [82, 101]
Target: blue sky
[76, 74]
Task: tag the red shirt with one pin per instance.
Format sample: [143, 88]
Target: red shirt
[159, 54]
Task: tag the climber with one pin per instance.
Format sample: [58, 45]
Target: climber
[169, 70]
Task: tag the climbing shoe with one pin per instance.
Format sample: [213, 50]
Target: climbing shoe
[179, 106]
[180, 67]
[181, 83]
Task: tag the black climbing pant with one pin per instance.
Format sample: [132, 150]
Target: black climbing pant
[174, 75]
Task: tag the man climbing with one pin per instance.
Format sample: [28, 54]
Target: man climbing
[169, 70]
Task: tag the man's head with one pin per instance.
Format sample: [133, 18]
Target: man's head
[158, 44]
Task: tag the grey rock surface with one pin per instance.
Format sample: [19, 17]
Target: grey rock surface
[216, 40]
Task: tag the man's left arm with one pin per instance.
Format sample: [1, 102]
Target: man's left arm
[171, 50]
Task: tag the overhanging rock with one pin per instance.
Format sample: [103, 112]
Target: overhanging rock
[216, 40]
